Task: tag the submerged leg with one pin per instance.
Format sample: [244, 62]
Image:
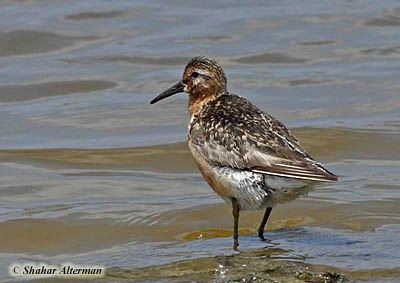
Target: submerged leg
[235, 212]
[263, 222]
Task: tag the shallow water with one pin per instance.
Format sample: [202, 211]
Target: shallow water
[92, 174]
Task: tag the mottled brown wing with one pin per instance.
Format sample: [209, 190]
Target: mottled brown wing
[298, 170]
[232, 132]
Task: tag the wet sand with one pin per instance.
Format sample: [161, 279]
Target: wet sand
[250, 266]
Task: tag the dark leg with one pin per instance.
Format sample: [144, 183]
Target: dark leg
[263, 222]
[235, 212]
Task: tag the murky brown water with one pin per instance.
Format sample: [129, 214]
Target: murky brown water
[92, 174]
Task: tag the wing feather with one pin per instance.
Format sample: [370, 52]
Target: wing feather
[232, 132]
[312, 172]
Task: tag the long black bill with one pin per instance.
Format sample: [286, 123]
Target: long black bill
[176, 88]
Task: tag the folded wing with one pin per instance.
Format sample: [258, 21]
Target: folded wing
[249, 139]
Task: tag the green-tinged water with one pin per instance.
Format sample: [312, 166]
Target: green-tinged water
[90, 173]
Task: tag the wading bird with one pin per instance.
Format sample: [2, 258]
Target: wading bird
[249, 158]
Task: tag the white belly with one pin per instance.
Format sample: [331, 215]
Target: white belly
[252, 190]
[257, 191]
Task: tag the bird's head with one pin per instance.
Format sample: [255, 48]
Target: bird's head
[203, 79]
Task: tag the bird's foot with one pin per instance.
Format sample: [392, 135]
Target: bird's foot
[235, 245]
[261, 235]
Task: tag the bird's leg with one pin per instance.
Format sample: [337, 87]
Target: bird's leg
[235, 212]
[263, 222]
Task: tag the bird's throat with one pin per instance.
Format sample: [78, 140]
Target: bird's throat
[198, 100]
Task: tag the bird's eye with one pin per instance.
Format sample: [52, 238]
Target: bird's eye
[194, 75]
